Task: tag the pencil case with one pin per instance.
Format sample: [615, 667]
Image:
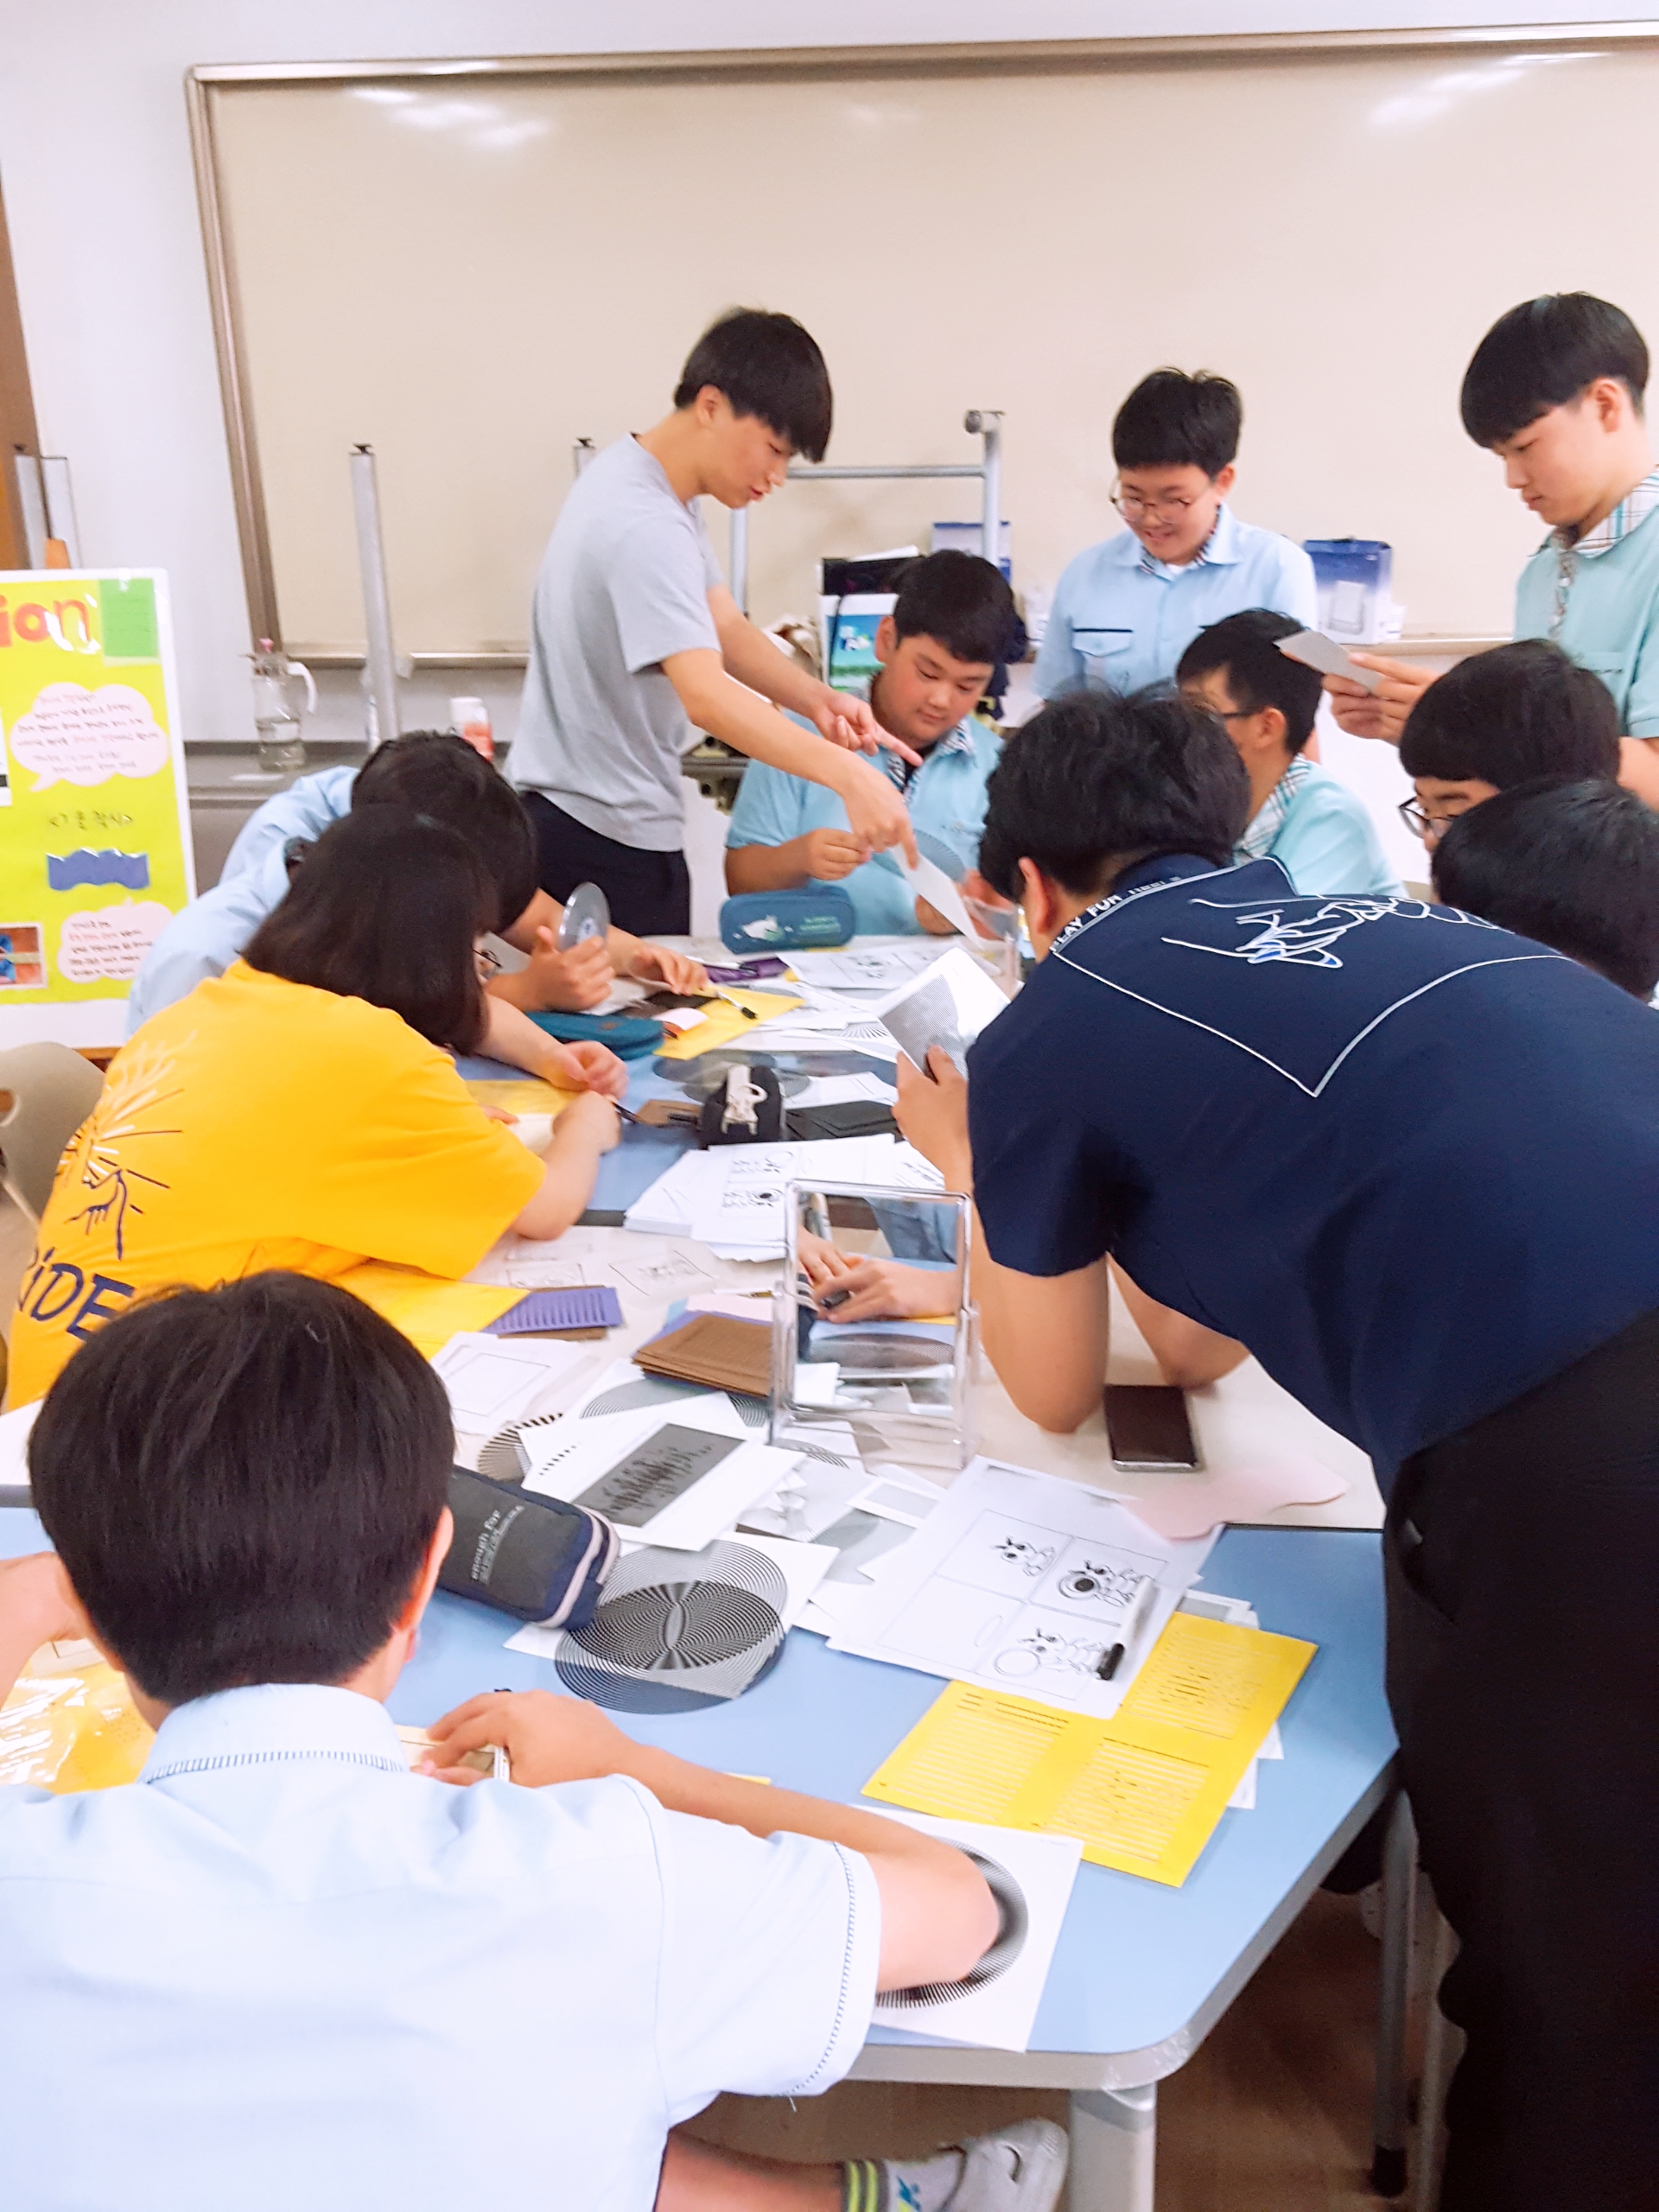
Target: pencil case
[535, 1557]
[629, 1036]
[787, 921]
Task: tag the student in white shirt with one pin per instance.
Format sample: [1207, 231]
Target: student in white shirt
[281, 1970]
[1125, 610]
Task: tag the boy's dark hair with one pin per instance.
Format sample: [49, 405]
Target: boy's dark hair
[386, 906]
[434, 773]
[1573, 864]
[1172, 420]
[1255, 672]
[1542, 354]
[242, 1482]
[1095, 779]
[1511, 715]
[961, 600]
[766, 365]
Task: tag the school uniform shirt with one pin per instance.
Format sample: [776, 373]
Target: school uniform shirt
[945, 796]
[203, 938]
[281, 1971]
[625, 583]
[1598, 597]
[260, 1123]
[1321, 833]
[1122, 620]
[1411, 1160]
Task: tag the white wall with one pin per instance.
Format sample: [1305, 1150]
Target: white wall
[95, 167]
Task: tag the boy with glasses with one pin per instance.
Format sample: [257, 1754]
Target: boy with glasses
[1320, 833]
[1502, 718]
[1125, 610]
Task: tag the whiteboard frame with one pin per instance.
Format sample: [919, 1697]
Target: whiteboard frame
[204, 85]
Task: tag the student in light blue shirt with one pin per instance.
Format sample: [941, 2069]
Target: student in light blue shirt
[434, 773]
[1125, 610]
[300, 1973]
[937, 652]
[1555, 391]
[1320, 832]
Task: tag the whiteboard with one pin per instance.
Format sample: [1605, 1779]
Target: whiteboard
[470, 271]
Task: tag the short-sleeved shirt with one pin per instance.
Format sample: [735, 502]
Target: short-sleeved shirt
[205, 937]
[1322, 835]
[281, 1971]
[1599, 601]
[305, 810]
[260, 1123]
[1122, 620]
[623, 583]
[1410, 1160]
[945, 796]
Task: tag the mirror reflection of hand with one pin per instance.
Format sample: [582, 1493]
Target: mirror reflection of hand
[888, 1290]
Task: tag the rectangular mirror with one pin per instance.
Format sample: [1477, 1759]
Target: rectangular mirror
[870, 1323]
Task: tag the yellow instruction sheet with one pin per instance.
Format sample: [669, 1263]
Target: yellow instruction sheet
[723, 1024]
[1144, 1789]
[429, 1310]
[526, 1095]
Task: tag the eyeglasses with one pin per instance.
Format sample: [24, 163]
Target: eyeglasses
[1134, 508]
[1431, 828]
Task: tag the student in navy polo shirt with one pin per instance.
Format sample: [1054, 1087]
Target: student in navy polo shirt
[1413, 1162]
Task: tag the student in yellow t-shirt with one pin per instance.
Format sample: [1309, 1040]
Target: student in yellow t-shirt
[301, 1111]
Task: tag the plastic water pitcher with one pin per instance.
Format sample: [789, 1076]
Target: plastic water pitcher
[282, 738]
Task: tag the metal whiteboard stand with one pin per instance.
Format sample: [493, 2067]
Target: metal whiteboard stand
[979, 421]
[381, 666]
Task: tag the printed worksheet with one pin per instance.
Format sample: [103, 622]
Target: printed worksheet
[1031, 1583]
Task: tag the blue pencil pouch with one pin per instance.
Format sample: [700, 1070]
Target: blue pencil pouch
[788, 921]
[629, 1036]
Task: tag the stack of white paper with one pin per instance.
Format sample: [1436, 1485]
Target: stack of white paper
[731, 1198]
[1028, 1583]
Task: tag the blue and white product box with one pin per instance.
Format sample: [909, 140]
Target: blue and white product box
[970, 537]
[1354, 576]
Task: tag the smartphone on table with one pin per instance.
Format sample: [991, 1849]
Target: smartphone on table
[1147, 1427]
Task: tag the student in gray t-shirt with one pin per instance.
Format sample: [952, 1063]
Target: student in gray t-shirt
[636, 644]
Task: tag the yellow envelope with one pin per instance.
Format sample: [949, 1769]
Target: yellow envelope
[1144, 1789]
[426, 1308]
[724, 1025]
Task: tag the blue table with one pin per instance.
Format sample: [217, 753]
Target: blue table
[1142, 1973]
[628, 1171]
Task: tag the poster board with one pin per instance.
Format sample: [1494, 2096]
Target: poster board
[95, 851]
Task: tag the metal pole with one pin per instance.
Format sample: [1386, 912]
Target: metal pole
[988, 423]
[1390, 2124]
[737, 558]
[31, 507]
[582, 452]
[382, 661]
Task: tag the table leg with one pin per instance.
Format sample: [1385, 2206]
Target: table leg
[1114, 2137]
[1390, 2123]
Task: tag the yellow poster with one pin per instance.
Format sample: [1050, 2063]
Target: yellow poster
[95, 854]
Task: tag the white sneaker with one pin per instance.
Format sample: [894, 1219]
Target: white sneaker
[1019, 2169]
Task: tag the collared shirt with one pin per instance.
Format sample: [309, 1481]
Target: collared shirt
[624, 585]
[1598, 597]
[1122, 620]
[1256, 1101]
[1321, 833]
[945, 796]
[279, 1971]
[209, 933]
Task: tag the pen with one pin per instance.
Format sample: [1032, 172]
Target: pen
[1139, 1606]
[625, 1114]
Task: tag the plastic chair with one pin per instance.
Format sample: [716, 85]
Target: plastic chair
[46, 1093]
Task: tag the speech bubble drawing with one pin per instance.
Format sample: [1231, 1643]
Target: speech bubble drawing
[76, 737]
[109, 941]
